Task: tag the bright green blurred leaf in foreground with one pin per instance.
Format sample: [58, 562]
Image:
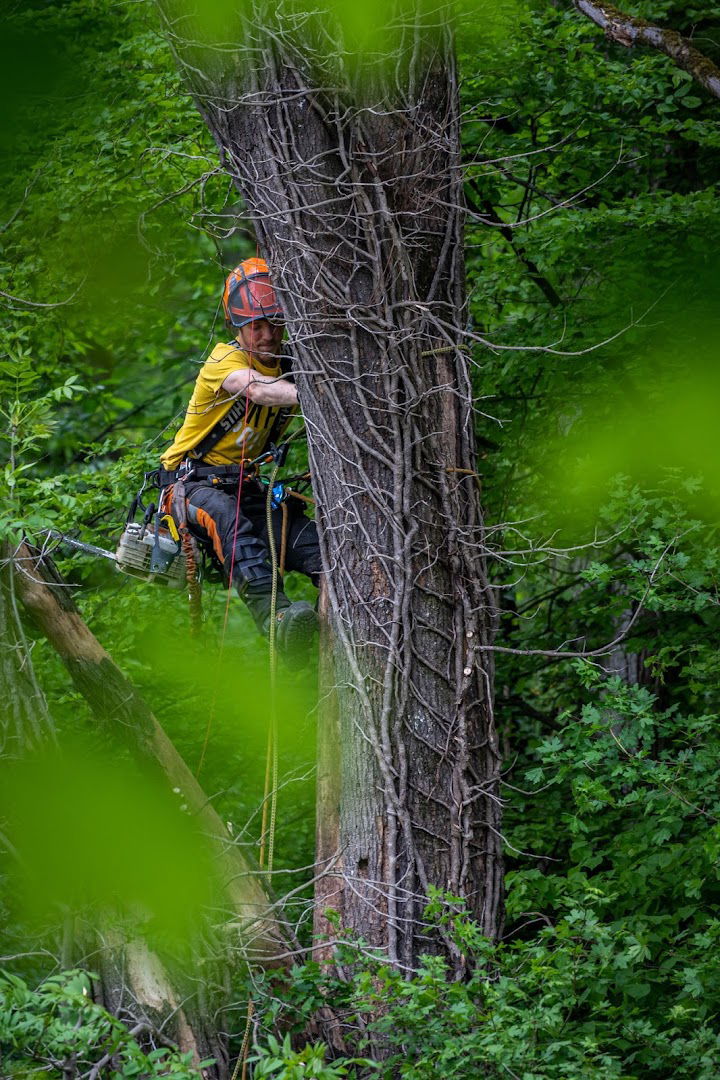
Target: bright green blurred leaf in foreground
[371, 32]
[665, 426]
[91, 829]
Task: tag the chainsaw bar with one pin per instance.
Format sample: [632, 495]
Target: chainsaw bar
[89, 549]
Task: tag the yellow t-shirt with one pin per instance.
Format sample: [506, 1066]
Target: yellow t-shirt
[209, 402]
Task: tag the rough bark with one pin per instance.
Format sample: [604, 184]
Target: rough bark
[328, 792]
[628, 30]
[115, 702]
[135, 986]
[352, 178]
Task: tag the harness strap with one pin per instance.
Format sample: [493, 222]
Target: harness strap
[236, 410]
[226, 423]
[189, 471]
[192, 556]
[218, 474]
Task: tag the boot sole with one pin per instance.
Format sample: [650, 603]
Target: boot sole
[294, 642]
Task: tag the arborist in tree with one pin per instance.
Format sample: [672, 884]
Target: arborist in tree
[243, 400]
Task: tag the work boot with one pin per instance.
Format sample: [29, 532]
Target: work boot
[259, 601]
[295, 626]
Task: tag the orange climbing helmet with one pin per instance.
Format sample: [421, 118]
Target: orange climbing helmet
[249, 294]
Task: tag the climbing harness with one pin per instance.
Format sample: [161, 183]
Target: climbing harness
[159, 546]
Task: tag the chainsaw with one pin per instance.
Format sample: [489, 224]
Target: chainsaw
[150, 553]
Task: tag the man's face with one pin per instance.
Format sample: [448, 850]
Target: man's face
[261, 338]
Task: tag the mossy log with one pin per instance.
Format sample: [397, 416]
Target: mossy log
[629, 30]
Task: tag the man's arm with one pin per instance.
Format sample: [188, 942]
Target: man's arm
[262, 389]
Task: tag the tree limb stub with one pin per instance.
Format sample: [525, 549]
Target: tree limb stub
[136, 986]
[116, 702]
[628, 30]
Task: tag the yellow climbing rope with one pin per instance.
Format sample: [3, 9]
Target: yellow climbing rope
[243, 1055]
[267, 829]
[271, 759]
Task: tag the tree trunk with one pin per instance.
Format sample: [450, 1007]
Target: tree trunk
[329, 879]
[353, 180]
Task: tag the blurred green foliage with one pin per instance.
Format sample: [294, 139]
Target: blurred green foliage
[333, 37]
[80, 823]
[591, 172]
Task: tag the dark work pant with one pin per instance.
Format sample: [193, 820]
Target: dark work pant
[212, 517]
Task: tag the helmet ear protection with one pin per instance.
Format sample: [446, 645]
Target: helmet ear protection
[249, 294]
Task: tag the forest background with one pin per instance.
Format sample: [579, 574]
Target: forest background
[591, 175]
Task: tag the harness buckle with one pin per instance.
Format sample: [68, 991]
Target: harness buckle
[279, 453]
[186, 469]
